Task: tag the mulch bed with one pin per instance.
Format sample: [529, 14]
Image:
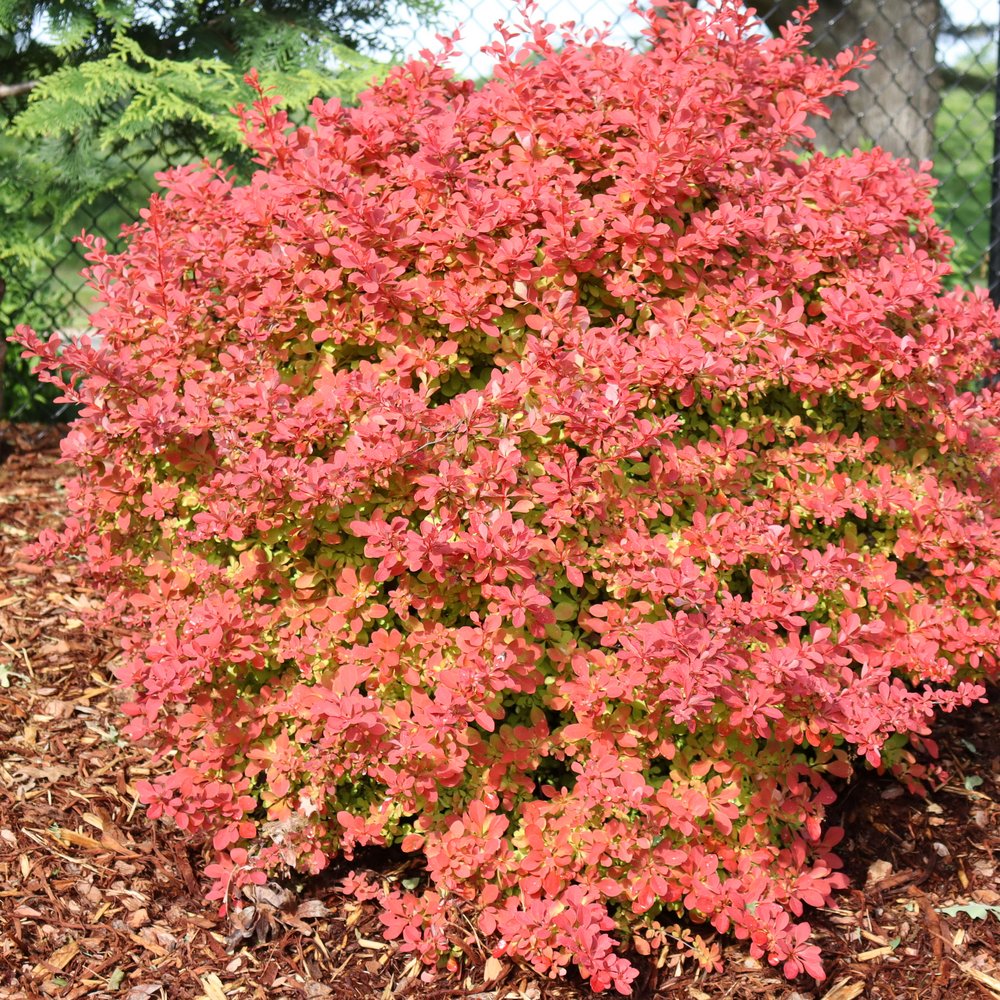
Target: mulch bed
[98, 901]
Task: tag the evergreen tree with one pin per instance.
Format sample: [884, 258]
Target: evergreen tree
[96, 96]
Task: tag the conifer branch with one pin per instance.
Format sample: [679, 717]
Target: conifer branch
[17, 89]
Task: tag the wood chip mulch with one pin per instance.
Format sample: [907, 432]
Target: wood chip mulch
[98, 901]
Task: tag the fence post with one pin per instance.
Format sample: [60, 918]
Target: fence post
[993, 282]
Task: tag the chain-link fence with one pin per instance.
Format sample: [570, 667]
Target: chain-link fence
[930, 94]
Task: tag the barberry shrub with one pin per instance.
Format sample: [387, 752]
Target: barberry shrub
[561, 480]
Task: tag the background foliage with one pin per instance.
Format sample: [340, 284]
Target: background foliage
[123, 91]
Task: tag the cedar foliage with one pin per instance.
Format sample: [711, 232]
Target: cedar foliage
[123, 88]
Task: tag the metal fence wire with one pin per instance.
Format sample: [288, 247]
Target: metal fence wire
[930, 94]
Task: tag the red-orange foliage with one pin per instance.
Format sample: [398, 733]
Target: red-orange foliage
[561, 480]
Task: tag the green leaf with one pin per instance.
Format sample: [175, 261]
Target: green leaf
[972, 782]
[978, 911]
[971, 747]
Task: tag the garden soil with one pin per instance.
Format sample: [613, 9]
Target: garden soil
[98, 901]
